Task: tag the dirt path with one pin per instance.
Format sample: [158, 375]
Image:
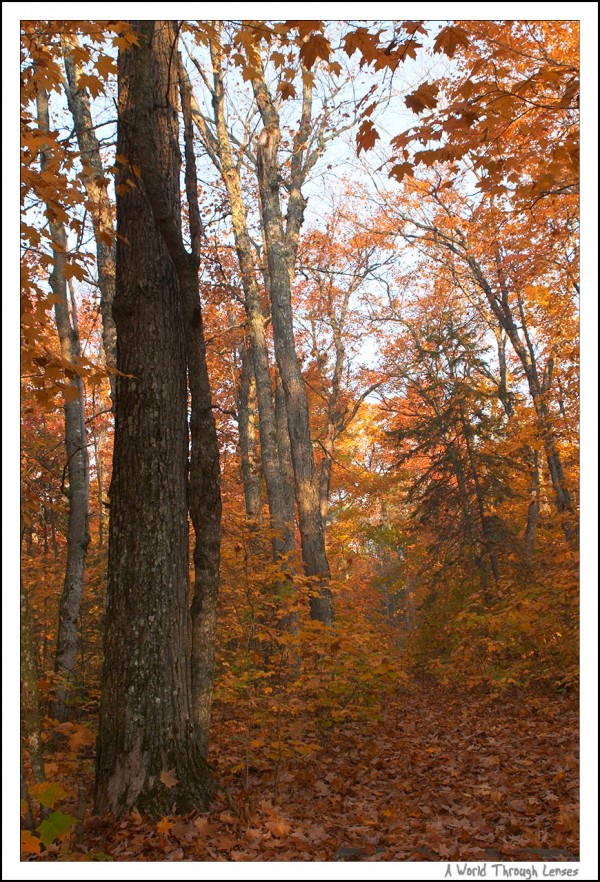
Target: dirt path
[444, 775]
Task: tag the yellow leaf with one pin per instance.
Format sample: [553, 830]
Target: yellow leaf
[105, 65]
[164, 826]
[48, 793]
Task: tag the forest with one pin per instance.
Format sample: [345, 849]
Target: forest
[299, 466]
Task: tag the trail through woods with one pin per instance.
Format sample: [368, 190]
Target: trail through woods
[444, 774]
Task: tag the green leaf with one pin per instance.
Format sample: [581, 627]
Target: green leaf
[56, 826]
[48, 793]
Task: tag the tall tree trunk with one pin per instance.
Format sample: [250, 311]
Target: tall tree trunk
[27, 812]
[486, 539]
[146, 718]
[221, 152]
[533, 510]
[248, 432]
[31, 718]
[205, 479]
[31, 721]
[284, 450]
[98, 441]
[95, 181]
[314, 556]
[77, 460]
[160, 69]
[325, 473]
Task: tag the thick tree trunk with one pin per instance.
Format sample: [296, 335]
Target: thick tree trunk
[160, 69]
[248, 432]
[96, 184]
[314, 556]
[76, 460]
[146, 720]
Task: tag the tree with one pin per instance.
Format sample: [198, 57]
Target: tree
[281, 244]
[146, 715]
[218, 144]
[96, 185]
[75, 447]
[335, 263]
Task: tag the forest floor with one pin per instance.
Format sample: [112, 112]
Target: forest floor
[443, 774]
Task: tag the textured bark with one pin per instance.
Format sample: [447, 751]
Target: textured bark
[31, 721]
[328, 446]
[27, 816]
[158, 72]
[98, 442]
[503, 391]
[486, 539]
[335, 412]
[146, 720]
[76, 460]
[248, 431]
[277, 493]
[284, 449]
[280, 258]
[95, 181]
[533, 510]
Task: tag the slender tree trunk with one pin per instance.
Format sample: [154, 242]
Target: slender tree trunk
[222, 154]
[95, 180]
[325, 473]
[314, 556]
[98, 440]
[533, 510]
[248, 431]
[77, 460]
[483, 518]
[466, 508]
[27, 814]
[31, 718]
[31, 721]
[284, 450]
[205, 480]
[146, 718]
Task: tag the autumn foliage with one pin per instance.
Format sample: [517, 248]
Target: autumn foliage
[430, 228]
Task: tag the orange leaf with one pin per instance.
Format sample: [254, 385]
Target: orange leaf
[30, 844]
[164, 826]
[315, 47]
